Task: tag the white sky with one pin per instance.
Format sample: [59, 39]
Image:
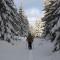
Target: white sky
[33, 14]
[33, 9]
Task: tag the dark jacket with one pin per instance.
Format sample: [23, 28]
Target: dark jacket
[30, 38]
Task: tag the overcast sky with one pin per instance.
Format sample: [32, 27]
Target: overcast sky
[32, 8]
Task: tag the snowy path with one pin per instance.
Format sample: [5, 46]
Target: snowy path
[30, 55]
[41, 51]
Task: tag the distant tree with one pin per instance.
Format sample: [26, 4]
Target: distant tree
[24, 23]
[39, 27]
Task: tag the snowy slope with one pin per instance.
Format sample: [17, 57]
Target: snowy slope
[41, 51]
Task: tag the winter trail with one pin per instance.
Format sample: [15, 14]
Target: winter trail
[41, 51]
[30, 55]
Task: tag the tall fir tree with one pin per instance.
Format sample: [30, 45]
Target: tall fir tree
[9, 20]
[24, 23]
[39, 27]
[52, 19]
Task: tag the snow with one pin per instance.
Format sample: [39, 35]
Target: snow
[42, 50]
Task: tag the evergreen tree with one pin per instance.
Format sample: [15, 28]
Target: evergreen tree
[52, 19]
[9, 20]
[24, 23]
[39, 27]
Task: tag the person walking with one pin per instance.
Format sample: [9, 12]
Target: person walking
[30, 40]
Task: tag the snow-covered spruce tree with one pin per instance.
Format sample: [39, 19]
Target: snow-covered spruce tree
[48, 18]
[9, 20]
[52, 18]
[39, 27]
[24, 23]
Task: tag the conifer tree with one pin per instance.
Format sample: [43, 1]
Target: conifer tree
[9, 20]
[24, 23]
[39, 27]
[52, 19]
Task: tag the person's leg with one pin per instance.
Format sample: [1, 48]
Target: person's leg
[30, 45]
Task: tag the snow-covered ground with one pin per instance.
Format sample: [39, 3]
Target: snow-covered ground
[42, 50]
